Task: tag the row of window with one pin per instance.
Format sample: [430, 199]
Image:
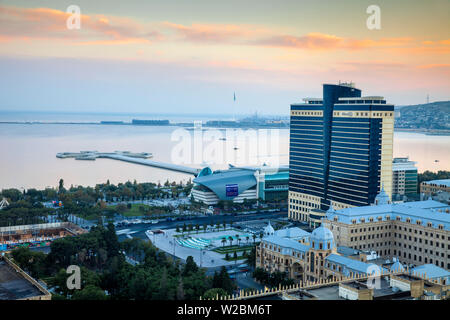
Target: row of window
[307, 113]
[365, 114]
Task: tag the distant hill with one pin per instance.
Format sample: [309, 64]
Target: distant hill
[430, 116]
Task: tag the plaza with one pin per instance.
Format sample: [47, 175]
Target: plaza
[199, 245]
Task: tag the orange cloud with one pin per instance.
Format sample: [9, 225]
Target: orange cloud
[45, 23]
[320, 41]
[433, 66]
[212, 33]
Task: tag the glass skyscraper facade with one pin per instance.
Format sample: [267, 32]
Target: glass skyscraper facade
[340, 150]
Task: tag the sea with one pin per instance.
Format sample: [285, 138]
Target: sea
[28, 149]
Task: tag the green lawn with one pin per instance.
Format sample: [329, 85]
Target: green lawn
[136, 212]
[231, 249]
[239, 257]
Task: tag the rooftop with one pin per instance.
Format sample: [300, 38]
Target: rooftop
[441, 182]
[347, 251]
[432, 271]
[351, 264]
[14, 286]
[292, 233]
[428, 211]
[286, 244]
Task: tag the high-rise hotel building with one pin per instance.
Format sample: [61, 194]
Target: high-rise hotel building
[340, 151]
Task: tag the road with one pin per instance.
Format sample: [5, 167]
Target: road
[139, 229]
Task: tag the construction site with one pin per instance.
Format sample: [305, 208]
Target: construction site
[36, 235]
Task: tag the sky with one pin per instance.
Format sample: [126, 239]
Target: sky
[191, 56]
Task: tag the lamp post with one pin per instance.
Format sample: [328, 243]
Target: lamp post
[174, 244]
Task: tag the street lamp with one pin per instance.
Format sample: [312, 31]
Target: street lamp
[174, 244]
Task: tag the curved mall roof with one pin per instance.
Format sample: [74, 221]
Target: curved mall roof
[217, 182]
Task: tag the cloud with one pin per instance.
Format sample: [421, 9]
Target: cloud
[50, 24]
[434, 66]
[321, 41]
[212, 33]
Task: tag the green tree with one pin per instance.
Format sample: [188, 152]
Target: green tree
[90, 292]
[180, 290]
[121, 208]
[251, 257]
[61, 185]
[214, 293]
[222, 280]
[190, 267]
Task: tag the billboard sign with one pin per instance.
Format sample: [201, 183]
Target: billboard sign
[231, 190]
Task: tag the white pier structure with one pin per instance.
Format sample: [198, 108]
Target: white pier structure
[127, 156]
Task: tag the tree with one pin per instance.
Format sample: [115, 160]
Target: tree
[214, 293]
[112, 243]
[180, 290]
[223, 242]
[163, 293]
[230, 238]
[90, 292]
[61, 185]
[260, 275]
[254, 238]
[251, 258]
[30, 261]
[121, 208]
[226, 283]
[190, 267]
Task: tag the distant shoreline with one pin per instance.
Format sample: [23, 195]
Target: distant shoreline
[428, 132]
[181, 124]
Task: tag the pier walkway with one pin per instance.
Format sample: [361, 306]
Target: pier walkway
[138, 158]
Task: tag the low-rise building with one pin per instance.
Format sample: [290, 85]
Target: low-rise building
[308, 261]
[434, 186]
[414, 232]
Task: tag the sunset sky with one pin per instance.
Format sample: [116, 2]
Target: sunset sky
[190, 56]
